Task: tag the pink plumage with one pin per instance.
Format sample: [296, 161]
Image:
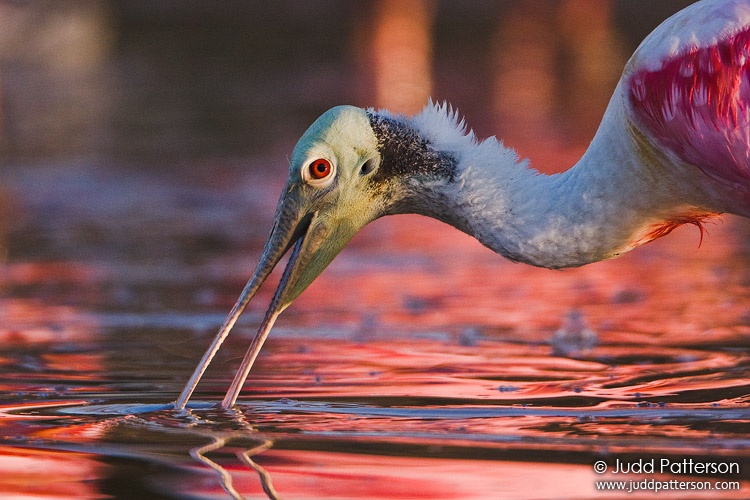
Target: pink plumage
[695, 104]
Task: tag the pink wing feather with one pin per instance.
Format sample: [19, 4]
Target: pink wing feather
[694, 99]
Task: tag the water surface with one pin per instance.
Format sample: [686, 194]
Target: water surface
[420, 365]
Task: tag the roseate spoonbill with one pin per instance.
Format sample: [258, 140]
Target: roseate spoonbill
[673, 148]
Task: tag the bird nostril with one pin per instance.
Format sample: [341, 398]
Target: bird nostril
[369, 166]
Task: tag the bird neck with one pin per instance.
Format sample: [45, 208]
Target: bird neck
[618, 196]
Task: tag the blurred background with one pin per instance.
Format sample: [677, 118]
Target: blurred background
[217, 92]
[168, 82]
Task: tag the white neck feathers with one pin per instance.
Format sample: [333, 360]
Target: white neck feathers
[607, 204]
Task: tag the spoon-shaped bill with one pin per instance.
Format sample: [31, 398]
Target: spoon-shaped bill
[316, 239]
[288, 227]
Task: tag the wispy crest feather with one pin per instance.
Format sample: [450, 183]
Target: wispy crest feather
[442, 124]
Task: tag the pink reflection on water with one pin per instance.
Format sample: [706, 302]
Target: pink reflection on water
[30, 322]
[357, 476]
[489, 370]
[45, 474]
[372, 477]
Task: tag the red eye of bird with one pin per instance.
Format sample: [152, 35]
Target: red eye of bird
[320, 168]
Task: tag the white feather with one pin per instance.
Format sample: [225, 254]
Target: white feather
[701, 24]
[594, 211]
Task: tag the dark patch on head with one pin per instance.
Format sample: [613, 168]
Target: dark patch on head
[406, 153]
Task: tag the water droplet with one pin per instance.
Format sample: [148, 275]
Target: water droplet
[628, 296]
[469, 337]
[574, 336]
[508, 388]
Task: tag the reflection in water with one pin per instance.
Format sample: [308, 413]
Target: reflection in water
[574, 337]
[419, 365]
[242, 432]
[34, 473]
[390, 450]
[412, 408]
[245, 456]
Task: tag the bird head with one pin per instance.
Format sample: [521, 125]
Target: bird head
[327, 199]
[349, 168]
